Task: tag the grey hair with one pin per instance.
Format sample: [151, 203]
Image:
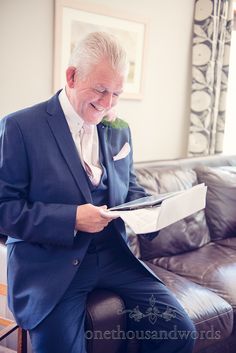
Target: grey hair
[95, 47]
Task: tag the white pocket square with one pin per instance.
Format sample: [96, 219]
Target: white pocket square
[125, 150]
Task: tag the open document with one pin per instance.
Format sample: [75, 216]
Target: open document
[153, 213]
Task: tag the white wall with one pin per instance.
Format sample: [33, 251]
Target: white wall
[159, 121]
[26, 37]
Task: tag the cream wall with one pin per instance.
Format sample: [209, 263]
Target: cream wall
[159, 121]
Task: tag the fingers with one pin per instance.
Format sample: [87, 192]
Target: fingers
[108, 215]
[92, 219]
[104, 207]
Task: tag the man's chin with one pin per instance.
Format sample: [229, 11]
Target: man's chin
[94, 120]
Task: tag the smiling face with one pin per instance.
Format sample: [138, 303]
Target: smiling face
[93, 96]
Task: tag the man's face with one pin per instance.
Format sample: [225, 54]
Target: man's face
[97, 93]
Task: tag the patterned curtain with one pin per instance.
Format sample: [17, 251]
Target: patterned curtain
[213, 20]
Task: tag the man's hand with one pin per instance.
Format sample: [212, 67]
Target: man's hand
[91, 219]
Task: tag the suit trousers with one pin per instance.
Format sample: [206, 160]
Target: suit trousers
[154, 315]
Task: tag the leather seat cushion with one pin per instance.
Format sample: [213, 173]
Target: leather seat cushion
[183, 236]
[228, 242]
[212, 266]
[220, 201]
[212, 315]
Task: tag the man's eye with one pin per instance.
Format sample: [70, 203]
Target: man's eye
[100, 90]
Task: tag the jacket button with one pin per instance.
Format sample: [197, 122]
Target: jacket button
[76, 262]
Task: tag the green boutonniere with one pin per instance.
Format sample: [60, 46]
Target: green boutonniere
[115, 124]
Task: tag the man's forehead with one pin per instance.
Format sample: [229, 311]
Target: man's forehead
[108, 79]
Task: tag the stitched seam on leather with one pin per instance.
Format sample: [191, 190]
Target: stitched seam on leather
[213, 266]
[200, 280]
[213, 317]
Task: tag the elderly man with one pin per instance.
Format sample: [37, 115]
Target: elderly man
[58, 175]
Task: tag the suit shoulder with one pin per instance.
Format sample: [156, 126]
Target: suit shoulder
[27, 115]
[118, 123]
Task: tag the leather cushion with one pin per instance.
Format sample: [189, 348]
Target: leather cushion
[103, 315]
[182, 236]
[228, 242]
[221, 200]
[212, 315]
[213, 266]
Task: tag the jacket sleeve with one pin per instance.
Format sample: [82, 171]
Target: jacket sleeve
[137, 191]
[37, 222]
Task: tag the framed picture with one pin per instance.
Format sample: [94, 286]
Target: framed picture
[74, 20]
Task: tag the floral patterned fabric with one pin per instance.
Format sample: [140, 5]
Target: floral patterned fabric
[212, 28]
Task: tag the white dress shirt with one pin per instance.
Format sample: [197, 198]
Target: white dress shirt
[75, 123]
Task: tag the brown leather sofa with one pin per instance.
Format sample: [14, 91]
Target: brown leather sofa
[195, 258]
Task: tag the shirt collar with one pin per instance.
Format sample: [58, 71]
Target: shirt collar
[74, 121]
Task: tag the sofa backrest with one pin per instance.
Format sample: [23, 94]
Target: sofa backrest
[185, 235]
[193, 162]
[221, 200]
[165, 176]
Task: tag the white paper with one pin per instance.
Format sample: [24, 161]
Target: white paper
[171, 210]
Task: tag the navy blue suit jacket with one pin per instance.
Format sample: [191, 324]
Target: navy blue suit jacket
[41, 183]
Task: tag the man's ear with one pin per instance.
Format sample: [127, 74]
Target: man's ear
[70, 76]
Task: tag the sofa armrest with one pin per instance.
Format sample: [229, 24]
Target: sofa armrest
[104, 321]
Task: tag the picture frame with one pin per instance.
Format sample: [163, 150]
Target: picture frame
[75, 19]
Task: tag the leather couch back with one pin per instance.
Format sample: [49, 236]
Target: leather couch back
[165, 176]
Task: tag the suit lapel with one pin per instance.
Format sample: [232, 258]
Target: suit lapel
[105, 135]
[61, 132]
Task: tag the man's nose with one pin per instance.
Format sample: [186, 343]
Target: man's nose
[106, 100]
